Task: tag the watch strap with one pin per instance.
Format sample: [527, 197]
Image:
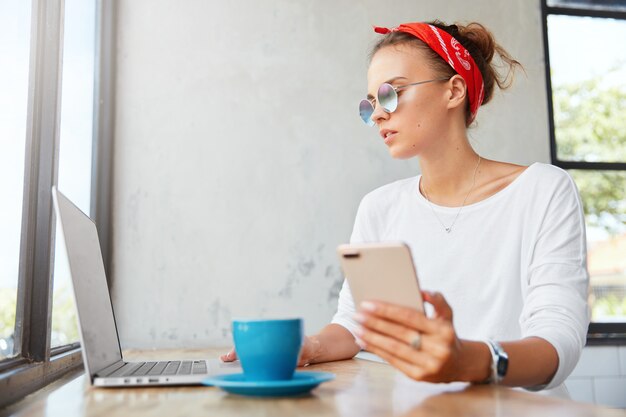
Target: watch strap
[499, 362]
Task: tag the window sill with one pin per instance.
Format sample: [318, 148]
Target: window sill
[26, 378]
[606, 339]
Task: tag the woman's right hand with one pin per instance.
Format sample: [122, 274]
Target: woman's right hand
[310, 349]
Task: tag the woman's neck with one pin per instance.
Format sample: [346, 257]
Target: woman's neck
[448, 171]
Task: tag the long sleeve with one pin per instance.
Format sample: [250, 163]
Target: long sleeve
[361, 232]
[556, 287]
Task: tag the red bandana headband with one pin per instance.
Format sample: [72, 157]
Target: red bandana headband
[452, 52]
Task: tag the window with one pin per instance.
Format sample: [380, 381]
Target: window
[14, 47]
[586, 76]
[50, 134]
[75, 149]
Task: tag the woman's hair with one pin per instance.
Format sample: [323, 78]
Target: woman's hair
[480, 43]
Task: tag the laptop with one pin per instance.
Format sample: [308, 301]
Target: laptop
[102, 354]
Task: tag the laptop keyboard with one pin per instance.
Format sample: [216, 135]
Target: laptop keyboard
[156, 368]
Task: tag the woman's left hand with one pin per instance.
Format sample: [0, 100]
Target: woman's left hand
[425, 349]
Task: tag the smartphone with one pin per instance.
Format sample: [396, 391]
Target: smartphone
[381, 272]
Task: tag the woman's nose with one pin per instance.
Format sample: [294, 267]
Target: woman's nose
[379, 114]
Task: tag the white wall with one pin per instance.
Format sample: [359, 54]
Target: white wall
[600, 376]
[240, 159]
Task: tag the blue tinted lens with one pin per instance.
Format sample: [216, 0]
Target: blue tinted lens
[365, 111]
[388, 98]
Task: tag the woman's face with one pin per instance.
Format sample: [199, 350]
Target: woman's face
[422, 109]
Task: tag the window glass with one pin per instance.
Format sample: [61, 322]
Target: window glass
[75, 150]
[604, 200]
[14, 63]
[588, 77]
[588, 74]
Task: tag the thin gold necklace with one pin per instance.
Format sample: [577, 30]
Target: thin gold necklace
[449, 228]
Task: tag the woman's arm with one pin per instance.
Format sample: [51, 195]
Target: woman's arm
[333, 343]
[388, 330]
[532, 362]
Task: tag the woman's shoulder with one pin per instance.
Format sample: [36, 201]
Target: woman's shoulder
[543, 169]
[513, 180]
[391, 191]
[377, 204]
[538, 174]
[547, 176]
[384, 198]
[546, 185]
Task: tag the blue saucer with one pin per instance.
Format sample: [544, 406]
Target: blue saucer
[302, 382]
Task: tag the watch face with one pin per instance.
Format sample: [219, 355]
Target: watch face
[503, 365]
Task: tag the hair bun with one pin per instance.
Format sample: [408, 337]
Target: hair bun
[481, 37]
[482, 45]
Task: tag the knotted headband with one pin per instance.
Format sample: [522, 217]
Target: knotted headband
[452, 52]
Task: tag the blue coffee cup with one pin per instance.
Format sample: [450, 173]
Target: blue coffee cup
[268, 349]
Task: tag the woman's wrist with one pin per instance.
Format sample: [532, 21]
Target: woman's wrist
[315, 348]
[475, 362]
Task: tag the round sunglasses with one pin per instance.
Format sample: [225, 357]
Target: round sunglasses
[387, 98]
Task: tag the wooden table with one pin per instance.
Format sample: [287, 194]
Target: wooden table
[362, 388]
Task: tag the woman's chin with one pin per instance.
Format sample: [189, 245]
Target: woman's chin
[397, 152]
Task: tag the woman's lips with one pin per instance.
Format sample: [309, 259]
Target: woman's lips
[388, 137]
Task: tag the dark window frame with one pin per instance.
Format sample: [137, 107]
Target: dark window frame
[36, 363]
[598, 332]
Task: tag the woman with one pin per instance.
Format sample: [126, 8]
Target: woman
[502, 244]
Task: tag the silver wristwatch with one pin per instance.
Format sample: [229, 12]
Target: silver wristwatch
[499, 362]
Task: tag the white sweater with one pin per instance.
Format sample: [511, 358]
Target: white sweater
[513, 266]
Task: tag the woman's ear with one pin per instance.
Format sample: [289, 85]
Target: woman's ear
[457, 92]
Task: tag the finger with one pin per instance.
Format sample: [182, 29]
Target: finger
[406, 316]
[436, 344]
[397, 331]
[394, 348]
[230, 356]
[441, 306]
[302, 359]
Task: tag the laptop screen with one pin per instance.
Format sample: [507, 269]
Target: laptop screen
[95, 314]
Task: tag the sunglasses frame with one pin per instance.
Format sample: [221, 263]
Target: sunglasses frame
[369, 120]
